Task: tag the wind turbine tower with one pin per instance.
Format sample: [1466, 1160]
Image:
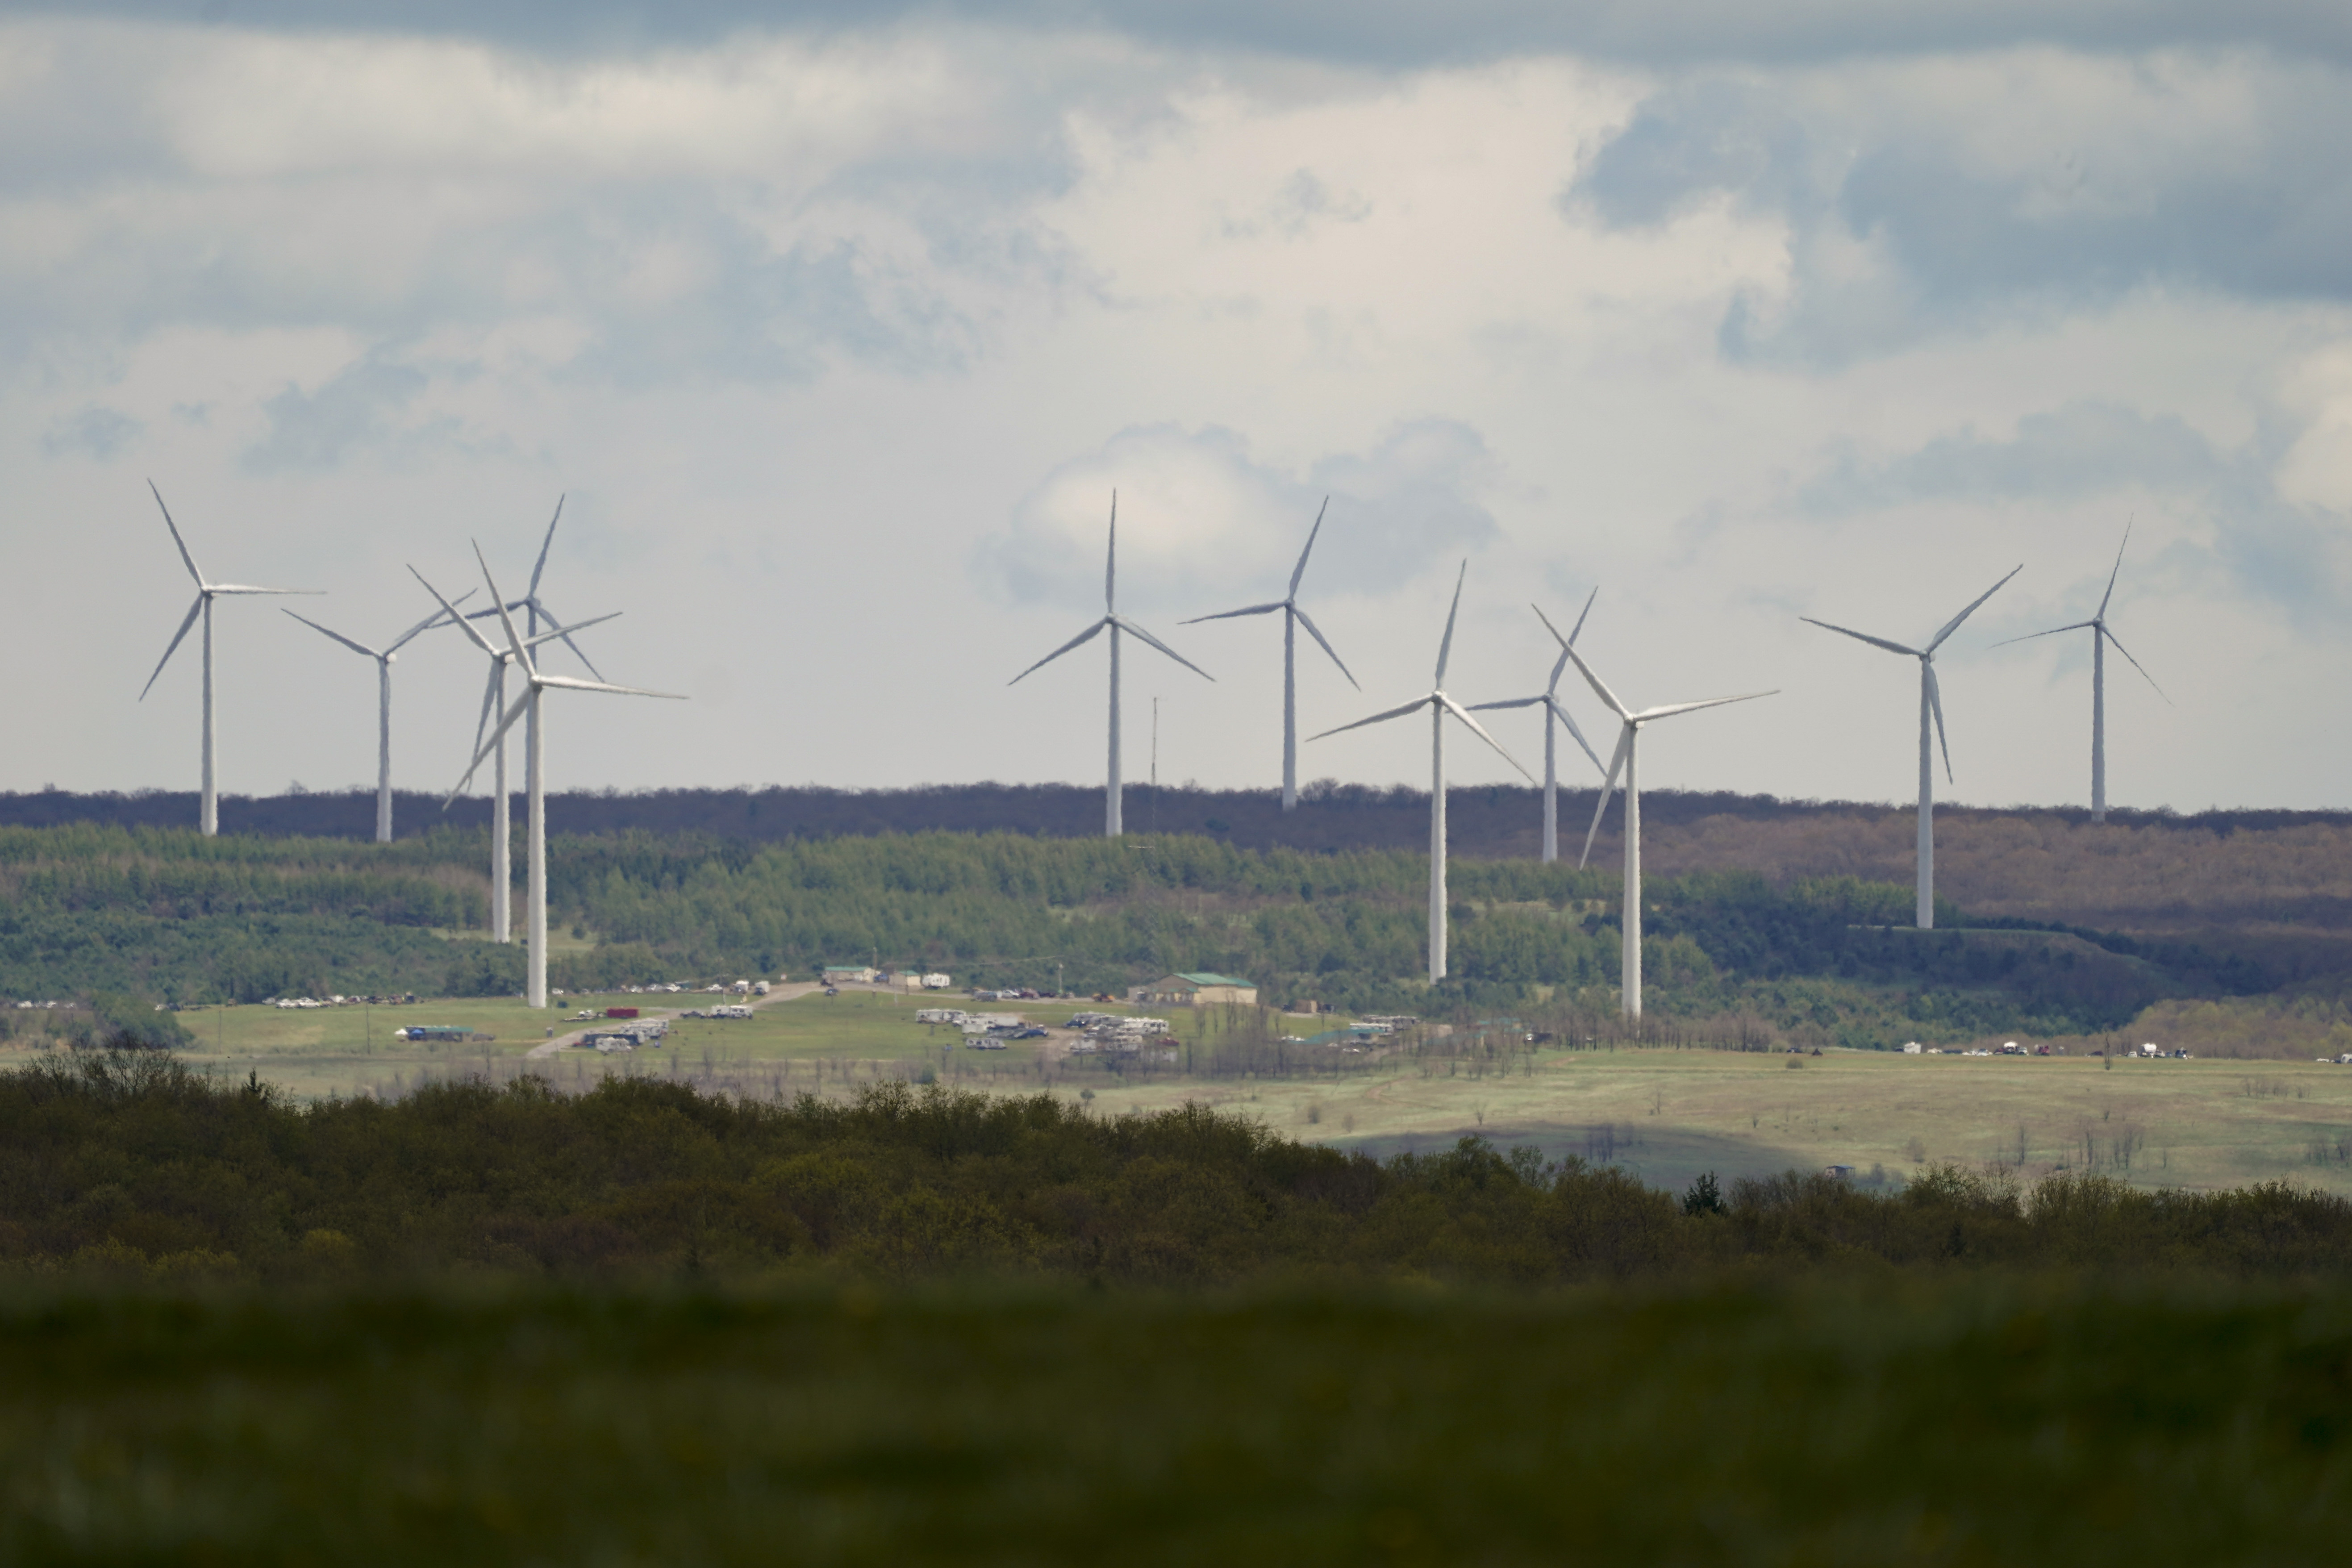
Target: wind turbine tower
[1115, 623]
[1293, 618]
[1931, 706]
[2101, 635]
[536, 682]
[1439, 705]
[209, 800]
[1553, 712]
[384, 659]
[1628, 757]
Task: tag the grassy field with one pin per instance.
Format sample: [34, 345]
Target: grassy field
[1964, 1422]
[1666, 1115]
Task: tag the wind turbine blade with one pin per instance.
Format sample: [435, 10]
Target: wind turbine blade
[1584, 612]
[1445, 648]
[1415, 705]
[1133, 630]
[544, 546]
[339, 637]
[567, 684]
[174, 527]
[541, 605]
[1514, 702]
[249, 588]
[464, 624]
[2134, 663]
[1552, 703]
[1084, 637]
[514, 638]
[427, 624]
[1561, 662]
[483, 750]
[548, 636]
[1480, 731]
[1110, 561]
[1229, 615]
[1954, 624]
[2053, 632]
[490, 706]
[1300, 570]
[1324, 644]
[1608, 788]
[1599, 690]
[1935, 702]
[1863, 637]
[177, 637]
[2110, 580]
[1670, 709]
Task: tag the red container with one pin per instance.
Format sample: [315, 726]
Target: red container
[620, 1012]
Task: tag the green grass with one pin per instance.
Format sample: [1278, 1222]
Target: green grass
[1991, 1421]
[1665, 1114]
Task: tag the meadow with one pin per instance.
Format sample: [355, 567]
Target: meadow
[1661, 1113]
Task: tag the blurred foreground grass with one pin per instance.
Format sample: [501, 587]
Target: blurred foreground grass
[1961, 1420]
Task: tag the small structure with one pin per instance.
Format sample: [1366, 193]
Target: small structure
[1911, 1047]
[1197, 990]
[845, 974]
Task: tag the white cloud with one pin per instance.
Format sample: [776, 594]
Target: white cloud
[839, 342]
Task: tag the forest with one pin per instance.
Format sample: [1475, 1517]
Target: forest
[168, 914]
[644, 1324]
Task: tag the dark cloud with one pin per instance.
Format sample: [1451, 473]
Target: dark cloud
[2294, 556]
[95, 432]
[1389, 32]
[1903, 225]
[315, 429]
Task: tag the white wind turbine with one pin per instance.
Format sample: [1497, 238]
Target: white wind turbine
[494, 700]
[2101, 635]
[208, 800]
[384, 659]
[494, 696]
[1628, 757]
[1293, 618]
[1116, 622]
[536, 682]
[1439, 705]
[1931, 706]
[1549, 699]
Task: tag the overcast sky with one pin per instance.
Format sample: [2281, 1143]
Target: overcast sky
[837, 326]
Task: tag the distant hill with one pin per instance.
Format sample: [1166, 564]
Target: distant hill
[2277, 883]
[1492, 822]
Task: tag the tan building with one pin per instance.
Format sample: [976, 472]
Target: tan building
[1196, 990]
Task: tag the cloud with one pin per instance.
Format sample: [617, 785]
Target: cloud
[95, 432]
[2240, 527]
[1388, 32]
[1959, 194]
[318, 429]
[1202, 521]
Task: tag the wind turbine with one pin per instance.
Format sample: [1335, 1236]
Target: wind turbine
[1931, 704]
[494, 700]
[536, 682]
[1117, 624]
[1628, 757]
[1439, 705]
[1293, 618]
[502, 813]
[208, 800]
[383, 706]
[1550, 701]
[2101, 635]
